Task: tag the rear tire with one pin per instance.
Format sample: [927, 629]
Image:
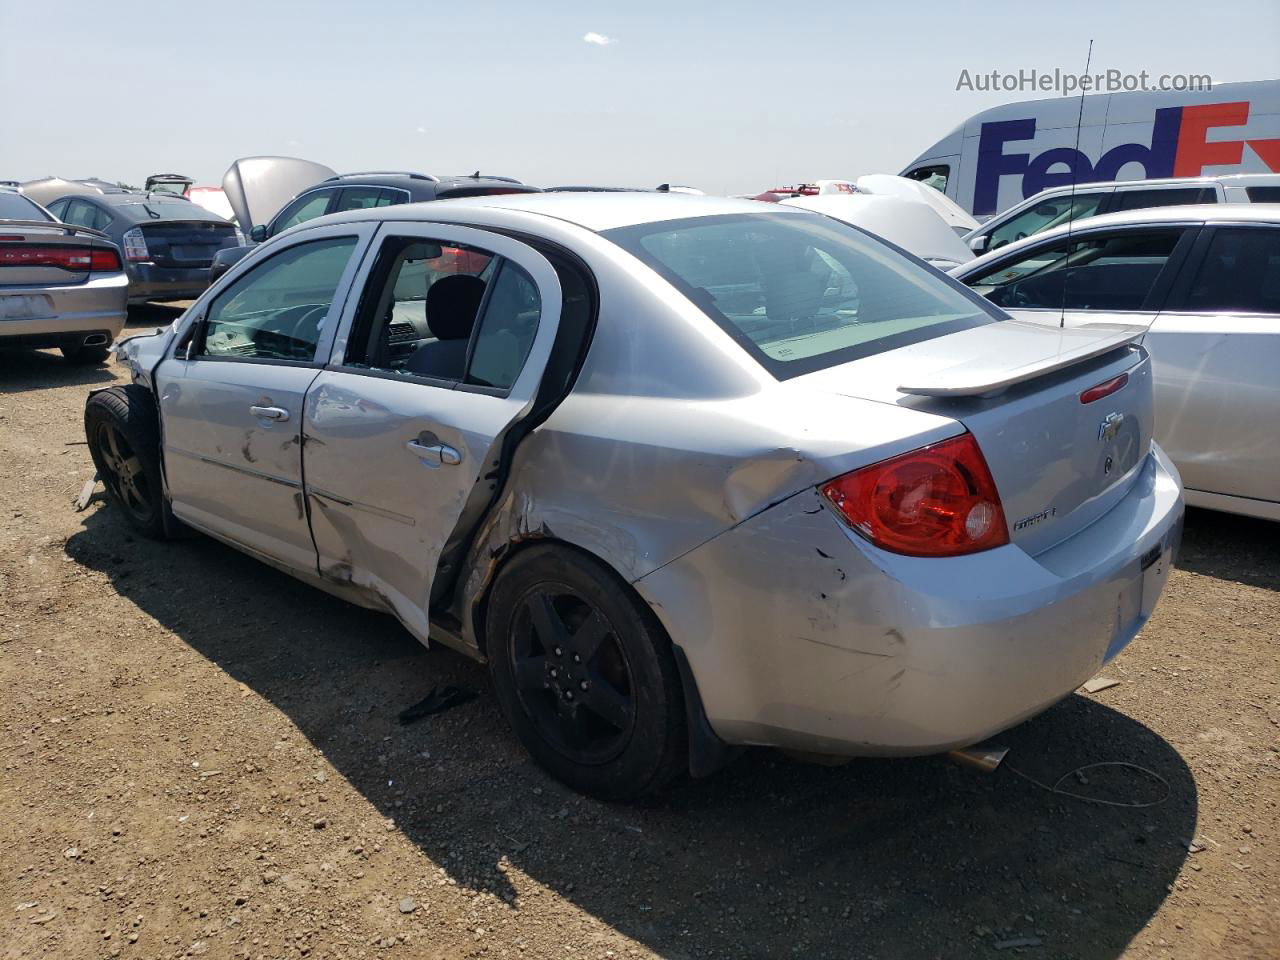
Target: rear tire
[585, 675]
[123, 431]
[80, 354]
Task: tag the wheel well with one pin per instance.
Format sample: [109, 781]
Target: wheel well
[707, 752]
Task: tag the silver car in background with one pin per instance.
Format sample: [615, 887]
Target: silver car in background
[1203, 283]
[60, 285]
[689, 473]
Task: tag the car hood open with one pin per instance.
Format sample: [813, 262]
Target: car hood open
[257, 187]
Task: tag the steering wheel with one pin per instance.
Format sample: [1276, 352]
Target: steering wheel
[313, 315]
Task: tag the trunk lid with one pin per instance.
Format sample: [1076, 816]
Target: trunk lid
[186, 243]
[18, 243]
[1059, 463]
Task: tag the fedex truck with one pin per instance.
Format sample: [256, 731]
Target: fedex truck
[1008, 153]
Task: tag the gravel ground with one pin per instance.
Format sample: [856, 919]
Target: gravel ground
[202, 757]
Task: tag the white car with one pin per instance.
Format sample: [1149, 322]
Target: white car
[1055, 206]
[909, 224]
[1205, 282]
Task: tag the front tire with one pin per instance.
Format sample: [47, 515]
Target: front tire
[585, 675]
[123, 431]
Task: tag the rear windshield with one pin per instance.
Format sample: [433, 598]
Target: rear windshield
[156, 207]
[14, 206]
[801, 292]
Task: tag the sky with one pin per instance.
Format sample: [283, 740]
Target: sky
[729, 97]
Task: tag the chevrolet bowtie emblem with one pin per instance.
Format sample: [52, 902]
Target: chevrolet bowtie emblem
[1110, 426]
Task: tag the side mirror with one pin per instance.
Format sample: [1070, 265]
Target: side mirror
[258, 233]
[979, 243]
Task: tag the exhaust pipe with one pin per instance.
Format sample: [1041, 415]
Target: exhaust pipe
[983, 756]
[96, 340]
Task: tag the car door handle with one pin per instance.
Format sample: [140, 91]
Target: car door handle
[434, 453]
[270, 413]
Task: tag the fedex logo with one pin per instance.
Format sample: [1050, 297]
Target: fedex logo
[1179, 148]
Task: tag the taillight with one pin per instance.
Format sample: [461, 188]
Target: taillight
[66, 257]
[938, 501]
[104, 259]
[135, 245]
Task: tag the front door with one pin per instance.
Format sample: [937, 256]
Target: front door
[435, 361]
[231, 397]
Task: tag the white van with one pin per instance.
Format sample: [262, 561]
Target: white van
[1008, 153]
[1055, 206]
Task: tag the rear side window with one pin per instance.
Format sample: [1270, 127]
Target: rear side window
[85, 214]
[1240, 273]
[1142, 199]
[800, 292]
[1108, 272]
[1045, 215]
[445, 313]
[1263, 194]
[278, 310]
[365, 198]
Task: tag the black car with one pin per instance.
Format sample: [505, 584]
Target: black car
[168, 242]
[356, 191]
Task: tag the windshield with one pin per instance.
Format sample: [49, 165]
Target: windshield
[157, 207]
[14, 206]
[801, 292]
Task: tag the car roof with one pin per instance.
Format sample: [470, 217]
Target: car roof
[1150, 216]
[595, 210]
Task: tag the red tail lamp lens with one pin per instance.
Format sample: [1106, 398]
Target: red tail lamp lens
[938, 501]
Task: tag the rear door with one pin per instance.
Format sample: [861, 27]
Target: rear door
[1216, 349]
[409, 416]
[231, 396]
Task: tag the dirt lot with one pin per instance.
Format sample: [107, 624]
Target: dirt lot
[201, 756]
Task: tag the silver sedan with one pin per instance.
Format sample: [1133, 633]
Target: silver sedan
[1203, 283]
[689, 473]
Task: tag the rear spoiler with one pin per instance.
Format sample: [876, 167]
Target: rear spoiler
[69, 228]
[976, 380]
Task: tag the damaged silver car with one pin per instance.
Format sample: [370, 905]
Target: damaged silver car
[688, 473]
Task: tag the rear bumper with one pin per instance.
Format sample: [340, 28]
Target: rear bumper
[800, 634]
[68, 314]
[148, 281]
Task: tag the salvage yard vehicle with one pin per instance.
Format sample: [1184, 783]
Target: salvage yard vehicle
[60, 285]
[1055, 206]
[688, 472]
[1203, 282]
[168, 241]
[909, 224]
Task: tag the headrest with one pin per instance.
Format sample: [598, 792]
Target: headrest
[452, 303]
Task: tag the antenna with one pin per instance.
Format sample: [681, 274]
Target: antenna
[1071, 208]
